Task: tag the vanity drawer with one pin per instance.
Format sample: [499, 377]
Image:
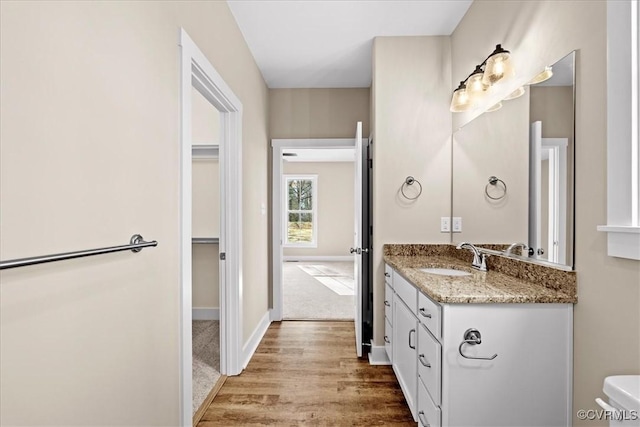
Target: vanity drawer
[429, 363]
[429, 314]
[428, 412]
[406, 291]
[388, 302]
[388, 275]
[388, 336]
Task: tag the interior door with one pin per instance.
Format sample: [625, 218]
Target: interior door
[535, 192]
[356, 250]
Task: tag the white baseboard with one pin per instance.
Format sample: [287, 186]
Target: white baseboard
[320, 258]
[252, 344]
[205, 313]
[378, 356]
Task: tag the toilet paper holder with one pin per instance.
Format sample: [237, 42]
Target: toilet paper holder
[473, 337]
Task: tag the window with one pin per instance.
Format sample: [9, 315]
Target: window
[300, 212]
[623, 161]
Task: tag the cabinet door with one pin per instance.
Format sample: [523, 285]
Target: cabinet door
[405, 359]
[527, 383]
[388, 336]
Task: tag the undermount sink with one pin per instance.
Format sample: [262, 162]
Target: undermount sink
[445, 271]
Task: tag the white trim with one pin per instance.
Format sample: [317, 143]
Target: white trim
[197, 72]
[205, 313]
[254, 340]
[314, 209]
[318, 258]
[279, 145]
[378, 355]
[623, 158]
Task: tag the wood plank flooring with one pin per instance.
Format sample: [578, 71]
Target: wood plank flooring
[306, 373]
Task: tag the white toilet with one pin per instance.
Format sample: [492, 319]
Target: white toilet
[624, 400]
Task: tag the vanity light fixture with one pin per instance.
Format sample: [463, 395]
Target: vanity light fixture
[460, 100]
[475, 87]
[472, 89]
[515, 94]
[546, 74]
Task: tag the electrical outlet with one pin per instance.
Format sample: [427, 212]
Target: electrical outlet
[457, 224]
[444, 224]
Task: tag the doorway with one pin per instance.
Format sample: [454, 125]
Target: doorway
[200, 80]
[330, 273]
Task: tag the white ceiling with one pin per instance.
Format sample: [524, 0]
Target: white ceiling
[328, 43]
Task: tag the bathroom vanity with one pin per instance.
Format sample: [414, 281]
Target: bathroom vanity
[479, 348]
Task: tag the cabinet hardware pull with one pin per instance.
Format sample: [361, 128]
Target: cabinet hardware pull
[413, 331]
[424, 362]
[386, 274]
[473, 337]
[424, 313]
[423, 421]
[386, 339]
[387, 303]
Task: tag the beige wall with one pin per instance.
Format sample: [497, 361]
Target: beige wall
[412, 136]
[205, 120]
[494, 144]
[205, 276]
[606, 317]
[206, 198]
[318, 113]
[206, 223]
[335, 207]
[88, 156]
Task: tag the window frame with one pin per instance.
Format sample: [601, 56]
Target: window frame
[286, 178]
[623, 157]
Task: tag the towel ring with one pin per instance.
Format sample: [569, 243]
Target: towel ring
[410, 181]
[494, 181]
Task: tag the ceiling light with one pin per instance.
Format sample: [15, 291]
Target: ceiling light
[546, 74]
[515, 94]
[496, 107]
[498, 66]
[460, 101]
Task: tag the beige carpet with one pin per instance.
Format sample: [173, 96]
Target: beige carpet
[318, 291]
[206, 359]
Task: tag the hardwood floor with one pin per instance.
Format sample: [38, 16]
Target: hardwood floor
[306, 373]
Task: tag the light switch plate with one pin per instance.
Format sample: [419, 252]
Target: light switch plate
[444, 224]
[457, 224]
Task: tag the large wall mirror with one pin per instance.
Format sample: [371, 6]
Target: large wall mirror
[513, 170]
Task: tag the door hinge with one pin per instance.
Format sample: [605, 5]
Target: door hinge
[370, 163]
[223, 256]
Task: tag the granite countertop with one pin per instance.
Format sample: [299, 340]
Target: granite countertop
[479, 287]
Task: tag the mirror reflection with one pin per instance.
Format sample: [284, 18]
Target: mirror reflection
[513, 170]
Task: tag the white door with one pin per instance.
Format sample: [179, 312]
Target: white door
[357, 237]
[535, 192]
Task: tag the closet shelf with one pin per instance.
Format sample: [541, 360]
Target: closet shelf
[205, 240]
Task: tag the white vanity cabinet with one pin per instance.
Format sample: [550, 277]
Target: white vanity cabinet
[451, 377]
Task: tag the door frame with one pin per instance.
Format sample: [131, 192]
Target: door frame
[279, 145]
[197, 72]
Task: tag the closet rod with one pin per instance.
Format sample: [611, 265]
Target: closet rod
[136, 244]
[204, 240]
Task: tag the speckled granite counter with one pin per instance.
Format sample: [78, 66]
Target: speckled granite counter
[507, 281]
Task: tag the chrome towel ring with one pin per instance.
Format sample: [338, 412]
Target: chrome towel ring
[494, 181]
[410, 181]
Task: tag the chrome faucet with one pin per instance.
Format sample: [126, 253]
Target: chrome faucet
[513, 246]
[479, 259]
